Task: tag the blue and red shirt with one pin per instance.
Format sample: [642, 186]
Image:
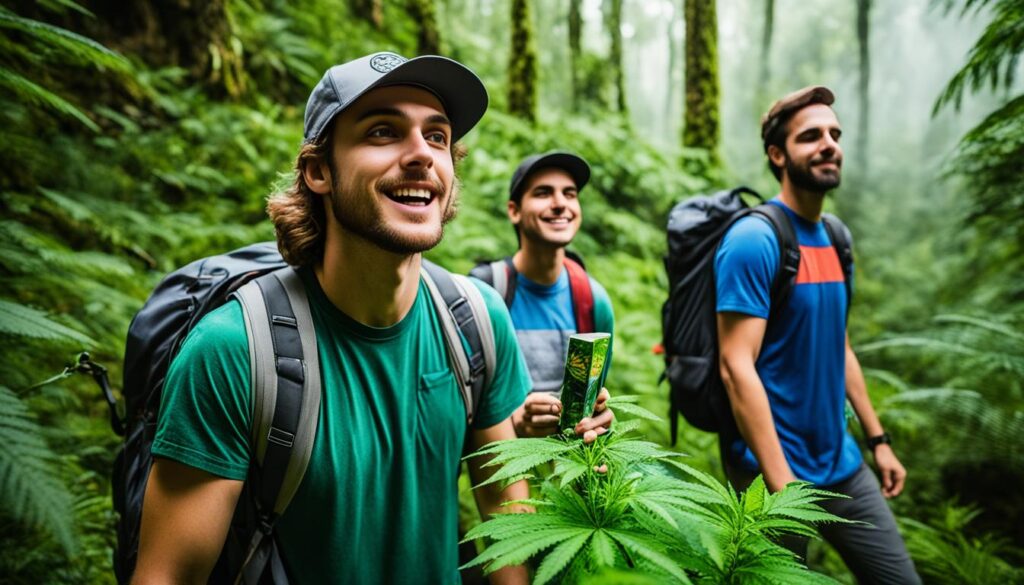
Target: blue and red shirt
[802, 363]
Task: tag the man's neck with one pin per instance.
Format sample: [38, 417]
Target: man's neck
[373, 286]
[540, 263]
[807, 204]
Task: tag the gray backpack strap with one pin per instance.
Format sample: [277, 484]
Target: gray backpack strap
[464, 318]
[286, 402]
[500, 272]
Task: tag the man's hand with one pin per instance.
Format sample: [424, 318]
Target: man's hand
[538, 416]
[600, 422]
[892, 471]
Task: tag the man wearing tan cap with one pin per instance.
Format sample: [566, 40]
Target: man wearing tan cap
[788, 383]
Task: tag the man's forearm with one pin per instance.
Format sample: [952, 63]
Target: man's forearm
[753, 415]
[857, 393]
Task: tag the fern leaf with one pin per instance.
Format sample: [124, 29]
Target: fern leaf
[68, 45]
[35, 94]
[29, 489]
[21, 321]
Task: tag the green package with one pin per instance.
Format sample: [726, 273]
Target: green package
[585, 367]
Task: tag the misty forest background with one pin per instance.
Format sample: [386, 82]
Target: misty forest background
[138, 136]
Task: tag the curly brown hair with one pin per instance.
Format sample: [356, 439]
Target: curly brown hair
[299, 215]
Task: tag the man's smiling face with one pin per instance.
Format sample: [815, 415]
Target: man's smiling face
[393, 180]
[549, 211]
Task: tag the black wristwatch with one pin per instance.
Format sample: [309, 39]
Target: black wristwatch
[878, 440]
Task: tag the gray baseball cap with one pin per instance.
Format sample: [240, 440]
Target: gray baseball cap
[575, 165]
[461, 92]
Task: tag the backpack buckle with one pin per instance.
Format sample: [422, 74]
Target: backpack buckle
[279, 437]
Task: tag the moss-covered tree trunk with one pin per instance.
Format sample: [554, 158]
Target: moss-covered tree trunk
[522, 66]
[863, 84]
[195, 36]
[371, 11]
[700, 121]
[428, 41]
[614, 24]
[575, 50]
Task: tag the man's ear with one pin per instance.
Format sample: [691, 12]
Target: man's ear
[317, 175]
[513, 212]
[777, 156]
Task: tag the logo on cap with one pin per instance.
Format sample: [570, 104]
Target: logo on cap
[385, 62]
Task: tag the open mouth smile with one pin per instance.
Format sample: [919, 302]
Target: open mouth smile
[560, 220]
[413, 197]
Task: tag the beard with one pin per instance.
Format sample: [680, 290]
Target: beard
[362, 215]
[803, 176]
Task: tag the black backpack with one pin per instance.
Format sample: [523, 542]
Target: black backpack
[688, 317]
[501, 275]
[286, 390]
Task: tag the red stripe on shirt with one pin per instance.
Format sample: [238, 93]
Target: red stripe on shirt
[819, 264]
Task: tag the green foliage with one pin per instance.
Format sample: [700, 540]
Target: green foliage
[945, 555]
[29, 487]
[641, 515]
[989, 155]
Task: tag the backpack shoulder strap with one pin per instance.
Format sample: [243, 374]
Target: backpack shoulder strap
[468, 335]
[582, 296]
[501, 275]
[285, 370]
[789, 256]
[842, 241]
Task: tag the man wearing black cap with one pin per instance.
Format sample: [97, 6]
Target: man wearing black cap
[374, 186]
[549, 295]
[788, 382]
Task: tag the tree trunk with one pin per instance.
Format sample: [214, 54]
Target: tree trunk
[428, 41]
[192, 35]
[371, 11]
[863, 84]
[766, 45]
[700, 122]
[614, 24]
[575, 50]
[522, 67]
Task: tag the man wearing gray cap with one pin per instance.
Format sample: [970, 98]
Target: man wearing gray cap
[549, 295]
[374, 186]
[788, 381]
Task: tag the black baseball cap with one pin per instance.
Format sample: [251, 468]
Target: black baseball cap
[461, 92]
[577, 168]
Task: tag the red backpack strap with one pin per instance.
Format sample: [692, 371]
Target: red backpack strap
[582, 296]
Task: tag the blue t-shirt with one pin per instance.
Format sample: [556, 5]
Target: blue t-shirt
[803, 356]
[544, 319]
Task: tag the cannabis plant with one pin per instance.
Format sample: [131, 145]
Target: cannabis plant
[648, 513]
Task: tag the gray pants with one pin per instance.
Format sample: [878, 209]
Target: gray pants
[875, 553]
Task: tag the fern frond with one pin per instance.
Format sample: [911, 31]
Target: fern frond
[33, 93]
[29, 489]
[22, 321]
[69, 46]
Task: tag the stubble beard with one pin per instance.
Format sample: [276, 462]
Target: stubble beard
[360, 214]
[804, 177]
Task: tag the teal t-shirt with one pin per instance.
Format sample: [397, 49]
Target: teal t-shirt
[379, 501]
